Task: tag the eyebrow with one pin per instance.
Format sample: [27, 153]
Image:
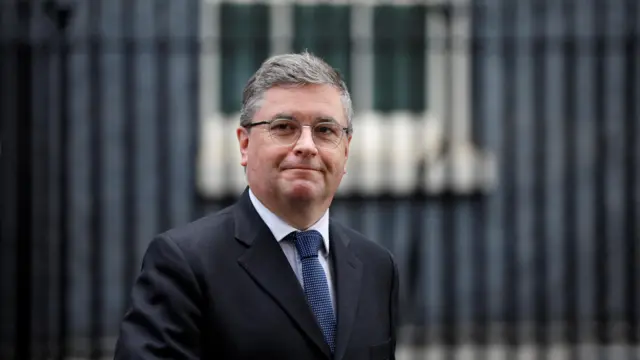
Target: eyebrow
[291, 117]
[282, 116]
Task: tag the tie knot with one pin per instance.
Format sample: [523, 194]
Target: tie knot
[308, 243]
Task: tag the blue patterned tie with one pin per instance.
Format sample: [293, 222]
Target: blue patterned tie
[316, 287]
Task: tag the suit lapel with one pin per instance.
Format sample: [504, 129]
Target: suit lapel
[348, 270]
[266, 264]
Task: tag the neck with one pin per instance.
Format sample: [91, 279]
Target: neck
[299, 214]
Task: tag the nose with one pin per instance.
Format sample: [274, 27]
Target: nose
[305, 146]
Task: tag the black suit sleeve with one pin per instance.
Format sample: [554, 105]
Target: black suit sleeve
[164, 318]
[395, 289]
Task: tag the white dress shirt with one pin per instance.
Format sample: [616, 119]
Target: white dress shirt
[280, 229]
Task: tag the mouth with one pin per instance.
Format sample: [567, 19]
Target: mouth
[301, 168]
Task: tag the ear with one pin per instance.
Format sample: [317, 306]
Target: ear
[346, 152]
[346, 148]
[243, 141]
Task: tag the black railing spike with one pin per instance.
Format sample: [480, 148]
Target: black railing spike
[60, 14]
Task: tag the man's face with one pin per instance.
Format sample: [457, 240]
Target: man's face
[302, 171]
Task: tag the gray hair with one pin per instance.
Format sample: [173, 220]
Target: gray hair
[291, 69]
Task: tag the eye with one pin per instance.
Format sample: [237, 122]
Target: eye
[283, 127]
[327, 129]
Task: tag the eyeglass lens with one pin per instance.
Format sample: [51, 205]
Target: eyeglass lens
[288, 131]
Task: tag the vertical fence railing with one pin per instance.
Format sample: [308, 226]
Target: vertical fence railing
[6, 186]
[631, 112]
[63, 16]
[481, 267]
[511, 240]
[131, 128]
[25, 184]
[95, 46]
[551, 258]
[571, 301]
[162, 46]
[600, 141]
[540, 53]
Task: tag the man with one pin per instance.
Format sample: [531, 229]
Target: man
[272, 276]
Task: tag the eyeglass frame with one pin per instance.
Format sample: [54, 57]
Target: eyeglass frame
[345, 130]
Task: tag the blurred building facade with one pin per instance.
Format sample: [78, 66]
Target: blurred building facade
[495, 154]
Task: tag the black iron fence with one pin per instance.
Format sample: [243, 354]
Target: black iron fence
[112, 114]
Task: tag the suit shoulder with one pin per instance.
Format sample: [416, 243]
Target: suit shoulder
[362, 245]
[203, 231]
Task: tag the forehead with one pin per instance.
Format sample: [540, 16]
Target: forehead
[306, 102]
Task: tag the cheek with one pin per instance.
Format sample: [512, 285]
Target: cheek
[265, 158]
[334, 163]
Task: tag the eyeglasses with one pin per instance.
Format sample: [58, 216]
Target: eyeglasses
[287, 132]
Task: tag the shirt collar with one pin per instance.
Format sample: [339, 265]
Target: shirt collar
[280, 229]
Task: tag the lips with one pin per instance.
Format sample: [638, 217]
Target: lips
[301, 168]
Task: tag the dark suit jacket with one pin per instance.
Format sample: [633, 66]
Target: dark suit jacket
[221, 288]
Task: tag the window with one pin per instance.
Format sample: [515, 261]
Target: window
[245, 43]
[324, 31]
[399, 60]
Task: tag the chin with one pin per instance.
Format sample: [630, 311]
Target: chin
[302, 190]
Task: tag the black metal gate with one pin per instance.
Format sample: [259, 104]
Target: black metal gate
[100, 136]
